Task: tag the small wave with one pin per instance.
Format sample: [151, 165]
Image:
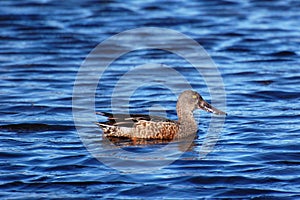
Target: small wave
[283, 53]
[27, 127]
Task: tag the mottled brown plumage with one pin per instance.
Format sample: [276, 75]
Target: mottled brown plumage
[153, 127]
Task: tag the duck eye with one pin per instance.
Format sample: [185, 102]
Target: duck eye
[194, 96]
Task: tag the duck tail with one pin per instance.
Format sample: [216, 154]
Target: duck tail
[114, 131]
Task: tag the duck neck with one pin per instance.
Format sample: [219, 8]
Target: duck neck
[187, 122]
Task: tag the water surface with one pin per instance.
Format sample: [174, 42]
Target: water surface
[255, 44]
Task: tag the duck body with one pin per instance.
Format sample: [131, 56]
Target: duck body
[139, 126]
[153, 127]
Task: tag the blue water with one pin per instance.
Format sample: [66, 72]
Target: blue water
[255, 45]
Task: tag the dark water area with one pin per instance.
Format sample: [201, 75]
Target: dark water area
[254, 43]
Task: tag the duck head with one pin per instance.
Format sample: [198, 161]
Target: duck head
[193, 100]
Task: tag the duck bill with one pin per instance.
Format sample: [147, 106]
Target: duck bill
[209, 108]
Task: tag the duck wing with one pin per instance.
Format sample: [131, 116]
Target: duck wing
[129, 120]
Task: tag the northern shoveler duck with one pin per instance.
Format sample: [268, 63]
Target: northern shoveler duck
[152, 127]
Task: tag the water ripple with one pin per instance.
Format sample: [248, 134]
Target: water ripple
[255, 45]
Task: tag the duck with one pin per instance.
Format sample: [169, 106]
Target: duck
[139, 126]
